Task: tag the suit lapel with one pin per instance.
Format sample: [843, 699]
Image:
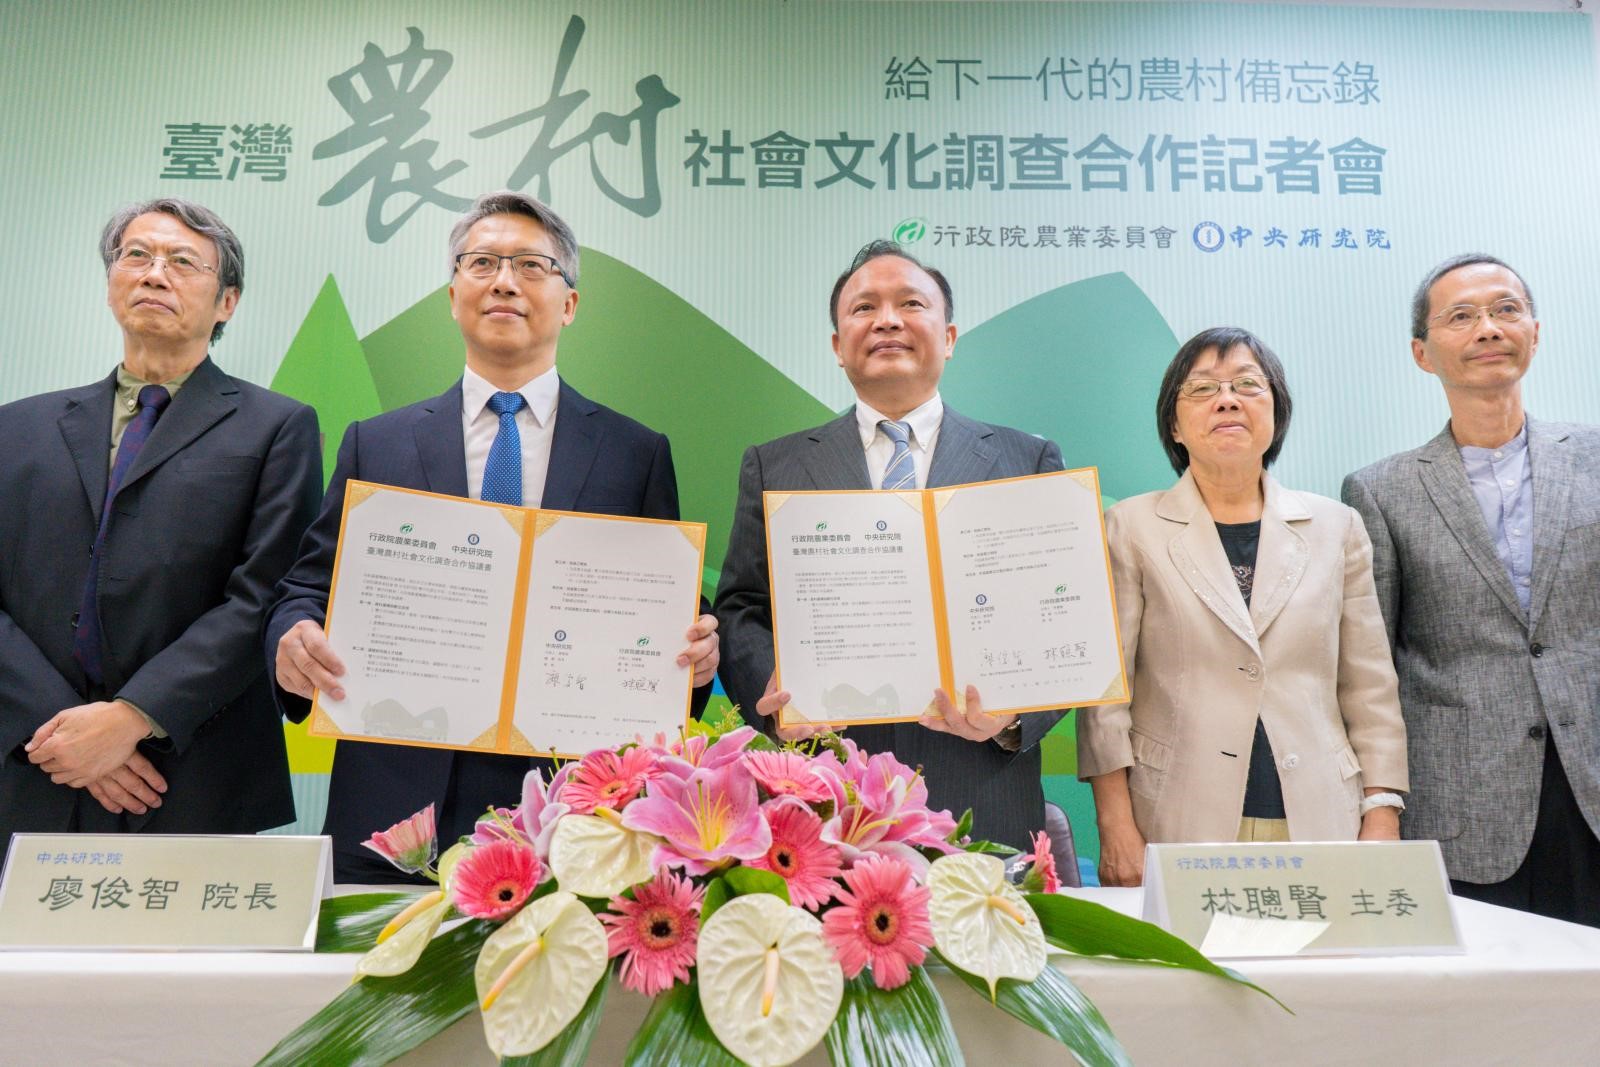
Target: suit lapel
[573, 447]
[1444, 478]
[837, 461]
[208, 397]
[962, 453]
[441, 449]
[1553, 471]
[86, 428]
[1281, 555]
[1196, 551]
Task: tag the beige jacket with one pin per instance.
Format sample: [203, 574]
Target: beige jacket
[1310, 657]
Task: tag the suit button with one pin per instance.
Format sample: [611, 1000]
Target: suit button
[1537, 650]
[1252, 672]
[1291, 761]
[1536, 732]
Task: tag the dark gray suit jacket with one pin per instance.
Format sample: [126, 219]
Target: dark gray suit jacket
[205, 524]
[1482, 684]
[1000, 787]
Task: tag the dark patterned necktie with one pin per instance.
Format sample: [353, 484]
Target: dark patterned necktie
[86, 643]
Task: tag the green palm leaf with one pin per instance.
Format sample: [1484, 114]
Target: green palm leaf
[675, 1034]
[378, 1019]
[352, 923]
[1052, 1005]
[1090, 929]
[904, 1027]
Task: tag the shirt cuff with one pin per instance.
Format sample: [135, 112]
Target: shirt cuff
[155, 728]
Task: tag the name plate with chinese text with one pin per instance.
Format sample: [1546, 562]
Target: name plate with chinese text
[1339, 898]
[157, 891]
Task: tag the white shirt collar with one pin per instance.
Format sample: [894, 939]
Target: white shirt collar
[540, 393]
[924, 420]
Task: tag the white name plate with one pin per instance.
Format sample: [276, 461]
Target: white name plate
[155, 891]
[1342, 898]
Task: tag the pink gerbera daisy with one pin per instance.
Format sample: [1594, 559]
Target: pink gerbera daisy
[492, 881]
[788, 774]
[798, 853]
[410, 844]
[607, 779]
[882, 919]
[1041, 876]
[655, 933]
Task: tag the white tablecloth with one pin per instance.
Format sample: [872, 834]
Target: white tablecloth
[1527, 991]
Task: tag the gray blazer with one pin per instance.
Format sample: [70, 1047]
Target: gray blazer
[1001, 788]
[1482, 684]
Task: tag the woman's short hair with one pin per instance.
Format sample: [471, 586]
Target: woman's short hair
[1224, 339]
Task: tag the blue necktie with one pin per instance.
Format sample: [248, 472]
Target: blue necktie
[902, 470]
[86, 644]
[502, 474]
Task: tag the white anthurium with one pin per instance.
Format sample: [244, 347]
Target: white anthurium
[402, 941]
[981, 923]
[769, 985]
[535, 973]
[595, 856]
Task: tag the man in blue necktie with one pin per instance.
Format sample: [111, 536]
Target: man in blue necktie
[510, 431]
[893, 333]
[145, 521]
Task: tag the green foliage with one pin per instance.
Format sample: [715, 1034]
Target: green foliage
[905, 1027]
[1091, 929]
[379, 1019]
[352, 923]
[675, 1034]
[739, 882]
[1052, 1005]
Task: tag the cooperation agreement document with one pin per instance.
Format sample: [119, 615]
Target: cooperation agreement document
[881, 597]
[492, 628]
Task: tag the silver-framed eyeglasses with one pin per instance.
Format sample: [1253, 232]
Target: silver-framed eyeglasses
[1465, 316]
[529, 266]
[141, 261]
[1205, 388]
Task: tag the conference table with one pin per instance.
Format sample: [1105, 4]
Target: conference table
[1526, 990]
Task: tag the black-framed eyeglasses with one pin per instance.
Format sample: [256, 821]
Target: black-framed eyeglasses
[529, 266]
[141, 261]
[1205, 388]
[1465, 316]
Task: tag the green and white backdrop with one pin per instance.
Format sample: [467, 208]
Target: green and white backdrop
[1099, 180]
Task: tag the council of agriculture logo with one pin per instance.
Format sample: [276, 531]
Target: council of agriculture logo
[911, 231]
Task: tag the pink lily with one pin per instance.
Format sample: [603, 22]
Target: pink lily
[705, 820]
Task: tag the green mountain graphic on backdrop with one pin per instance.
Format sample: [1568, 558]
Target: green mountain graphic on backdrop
[1078, 364]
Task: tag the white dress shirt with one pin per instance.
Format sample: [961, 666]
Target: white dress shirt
[536, 424]
[924, 421]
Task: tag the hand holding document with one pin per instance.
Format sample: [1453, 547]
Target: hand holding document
[481, 626]
[879, 598]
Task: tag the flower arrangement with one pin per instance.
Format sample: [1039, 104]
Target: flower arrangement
[768, 898]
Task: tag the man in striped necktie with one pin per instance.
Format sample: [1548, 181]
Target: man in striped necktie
[893, 334]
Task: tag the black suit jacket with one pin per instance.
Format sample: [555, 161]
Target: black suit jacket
[1000, 787]
[205, 524]
[600, 462]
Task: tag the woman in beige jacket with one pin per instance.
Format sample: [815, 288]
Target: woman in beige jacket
[1263, 698]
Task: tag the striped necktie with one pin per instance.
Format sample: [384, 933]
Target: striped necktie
[502, 473]
[902, 470]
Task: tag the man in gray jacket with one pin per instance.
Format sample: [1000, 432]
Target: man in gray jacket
[1486, 553]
